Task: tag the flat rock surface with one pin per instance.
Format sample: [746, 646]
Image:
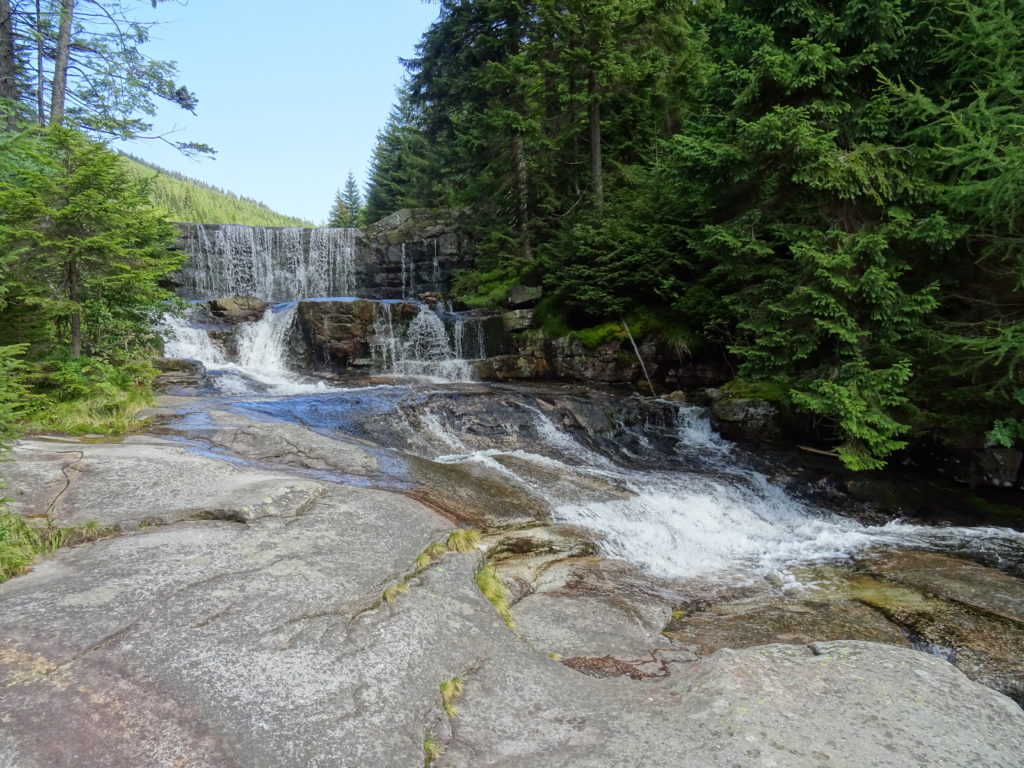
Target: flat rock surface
[144, 481]
[952, 578]
[288, 444]
[262, 640]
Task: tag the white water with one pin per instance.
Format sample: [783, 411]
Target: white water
[423, 349]
[723, 522]
[261, 366]
[272, 263]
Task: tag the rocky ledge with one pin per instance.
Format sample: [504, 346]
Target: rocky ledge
[251, 614]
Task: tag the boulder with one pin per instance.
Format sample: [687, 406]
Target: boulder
[179, 366]
[1000, 467]
[237, 309]
[342, 333]
[517, 320]
[524, 296]
[744, 418]
[177, 374]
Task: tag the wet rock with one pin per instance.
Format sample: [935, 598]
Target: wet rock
[676, 397]
[951, 578]
[972, 613]
[288, 444]
[517, 320]
[237, 309]
[342, 333]
[1001, 467]
[764, 621]
[472, 495]
[179, 374]
[748, 419]
[887, 495]
[179, 366]
[524, 296]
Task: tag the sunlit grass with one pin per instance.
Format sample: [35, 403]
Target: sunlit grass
[21, 543]
[432, 749]
[496, 593]
[101, 414]
[451, 690]
[463, 540]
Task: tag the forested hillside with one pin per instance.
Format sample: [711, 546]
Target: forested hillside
[831, 192]
[186, 199]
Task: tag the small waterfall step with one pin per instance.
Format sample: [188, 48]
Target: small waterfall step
[333, 336]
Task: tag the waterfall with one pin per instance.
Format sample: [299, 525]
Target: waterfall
[422, 349]
[691, 507]
[405, 279]
[332, 263]
[261, 365]
[189, 342]
[272, 263]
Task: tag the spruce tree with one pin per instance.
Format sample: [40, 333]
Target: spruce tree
[347, 209]
[85, 251]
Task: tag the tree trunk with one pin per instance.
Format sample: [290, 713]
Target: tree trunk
[76, 313]
[596, 179]
[522, 192]
[40, 72]
[60, 65]
[8, 64]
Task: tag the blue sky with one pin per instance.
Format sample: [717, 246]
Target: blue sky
[291, 95]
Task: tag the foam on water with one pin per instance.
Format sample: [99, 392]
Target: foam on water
[423, 349]
[713, 517]
[261, 367]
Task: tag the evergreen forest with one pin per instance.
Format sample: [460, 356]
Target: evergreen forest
[83, 248]
[827, 194]
[85, 233]
[830, 193]
[186, 199]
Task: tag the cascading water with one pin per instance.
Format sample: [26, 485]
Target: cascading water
[272, 263]
[422, 349]
[332, 263]
[696, 511]
[405, 278]
[262, 361]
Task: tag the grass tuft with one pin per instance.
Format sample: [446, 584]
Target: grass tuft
[430, 554]
[104, 413]
[432, 749]
[22, 543]
[496, 593]
[463, 540]
[391, 593]
[451, 690]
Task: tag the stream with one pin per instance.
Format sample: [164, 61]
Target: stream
[640, 497]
